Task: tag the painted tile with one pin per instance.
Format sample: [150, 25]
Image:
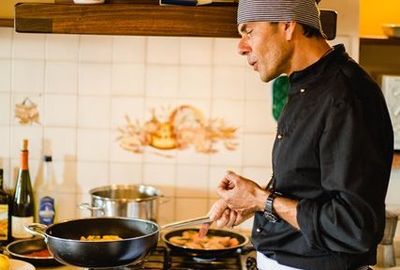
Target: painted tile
[255, 88]
[162, 81]
[6, 42]
[28, 76]
[33, 133]
[258, 117]
[257, 150]
[93, 112]
[122, 107]
[128, 79]
[161, 176]
[94, 79]
[195, 82]
[92, 144]
[60, 110]
[5, 108]
[129, 49]
[226, 52]
[61, 77]
[4, 143]
[5, 71]
[62, 47]
[196, 51]
[189, 208]
[61, 142]
[260, 175]
[228, 82]
[163, 50]
[95, 49]
[231, 111]
[124, 173]
[192, 181]
[91, 175]
[117, 154]
[66, 207]
[28, 46]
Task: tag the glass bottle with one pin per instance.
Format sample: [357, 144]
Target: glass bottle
[46, 190]
[5, 224]
[23, 202]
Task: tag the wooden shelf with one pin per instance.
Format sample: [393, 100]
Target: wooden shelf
[137, 17]
[148, 19]
[379, 40]
[6, 23]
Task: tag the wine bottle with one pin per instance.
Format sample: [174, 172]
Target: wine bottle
[46, 191]
[5, 224]
[23, 203]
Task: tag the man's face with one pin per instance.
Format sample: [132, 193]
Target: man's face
[266, 47]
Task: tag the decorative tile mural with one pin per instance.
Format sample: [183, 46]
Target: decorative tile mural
[182, 127]
[27, 112]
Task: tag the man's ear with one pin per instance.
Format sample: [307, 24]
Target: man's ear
[289, 28]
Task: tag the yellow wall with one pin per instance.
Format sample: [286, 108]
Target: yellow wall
[375, 13]
[7, 6]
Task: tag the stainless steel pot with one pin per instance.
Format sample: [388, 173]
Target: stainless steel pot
[133, 201]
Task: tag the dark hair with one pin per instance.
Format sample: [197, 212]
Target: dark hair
[310, 31]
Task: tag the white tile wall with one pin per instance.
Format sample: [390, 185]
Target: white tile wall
[85, 85]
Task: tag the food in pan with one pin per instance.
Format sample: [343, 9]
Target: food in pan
[191, 239]
[43, 253]
[109, 237]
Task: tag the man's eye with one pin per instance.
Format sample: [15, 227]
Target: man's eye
[249, 32]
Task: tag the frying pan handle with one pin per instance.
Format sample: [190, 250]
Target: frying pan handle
[37, 229]
[87, 206]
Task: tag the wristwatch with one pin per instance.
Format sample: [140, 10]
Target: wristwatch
[269, 212]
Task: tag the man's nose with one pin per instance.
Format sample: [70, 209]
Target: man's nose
[243, 47]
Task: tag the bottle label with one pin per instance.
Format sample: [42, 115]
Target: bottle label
[3, 222]
[46, 210]
[18, 226]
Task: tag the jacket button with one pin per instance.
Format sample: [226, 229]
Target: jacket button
[280, 136]
[259, 230]
[302, 90]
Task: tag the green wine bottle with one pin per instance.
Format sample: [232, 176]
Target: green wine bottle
[23, 203]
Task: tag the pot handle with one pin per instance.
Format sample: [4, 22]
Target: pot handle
[87, 206]
[37, 229]
[162, 199]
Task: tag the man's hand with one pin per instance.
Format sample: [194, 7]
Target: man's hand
[241, 194]
[223, 216]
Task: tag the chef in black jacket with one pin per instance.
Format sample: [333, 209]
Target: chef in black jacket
[324, 208]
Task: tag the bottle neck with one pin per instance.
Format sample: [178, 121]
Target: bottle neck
[24, 160]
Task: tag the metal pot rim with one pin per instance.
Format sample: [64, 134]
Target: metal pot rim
[127, 186]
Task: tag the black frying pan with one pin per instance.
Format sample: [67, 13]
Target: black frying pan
[63, 240]
[21, 248]
[206, 253]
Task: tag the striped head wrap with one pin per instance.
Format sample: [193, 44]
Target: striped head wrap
[301, 11]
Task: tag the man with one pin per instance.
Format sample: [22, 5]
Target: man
[324, 207]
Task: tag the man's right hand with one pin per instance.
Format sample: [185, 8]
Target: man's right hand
[223, 216]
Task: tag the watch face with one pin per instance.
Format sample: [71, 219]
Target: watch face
[391, 90]
[270, 217]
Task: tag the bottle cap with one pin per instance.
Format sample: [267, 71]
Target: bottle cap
[25, 144]
[47, 158]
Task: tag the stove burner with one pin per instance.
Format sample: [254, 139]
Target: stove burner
[204, 260]
[163, 259]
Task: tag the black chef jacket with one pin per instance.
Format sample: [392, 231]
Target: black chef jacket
[333, 152]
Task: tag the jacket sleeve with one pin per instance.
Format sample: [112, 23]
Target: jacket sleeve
[354, 156]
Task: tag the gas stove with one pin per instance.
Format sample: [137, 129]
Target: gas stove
[164, 259]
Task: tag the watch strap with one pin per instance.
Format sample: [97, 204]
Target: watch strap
[269, 212]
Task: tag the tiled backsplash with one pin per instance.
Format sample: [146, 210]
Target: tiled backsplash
[84, 85]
